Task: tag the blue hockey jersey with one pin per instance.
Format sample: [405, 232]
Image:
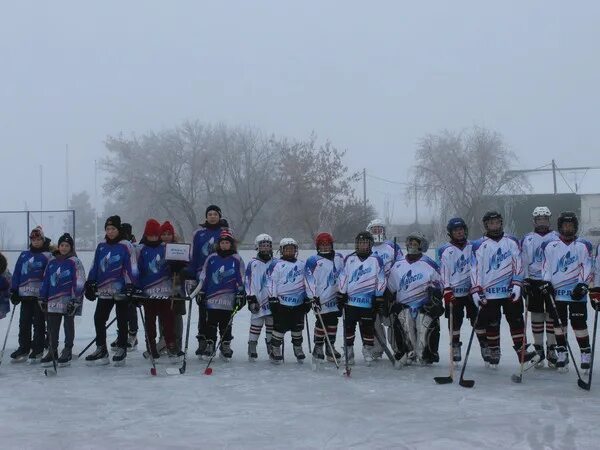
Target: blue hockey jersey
[63, 282]
[29, 272]
[155, 278]
[114, 266]
[221, 278]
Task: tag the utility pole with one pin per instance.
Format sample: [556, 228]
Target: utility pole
[67, 174]
[41, 189]
[96, 203]
[365, 194]
[554, 176]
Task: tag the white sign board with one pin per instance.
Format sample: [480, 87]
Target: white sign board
[177, 252]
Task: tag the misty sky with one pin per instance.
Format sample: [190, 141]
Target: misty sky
[373, 77]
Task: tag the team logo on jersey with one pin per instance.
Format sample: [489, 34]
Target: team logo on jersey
[460, 264]
[564, 262]
[108, 260]
[359, 272]
[30, 265]
[409, 278]
[58, 275]
[221, 274]
[497, 258]
[208, 246]
[292, 275]
[538, 255]
[155, 264]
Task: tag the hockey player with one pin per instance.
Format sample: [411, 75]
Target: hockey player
[287, 300]
[496, 278]
[257, 293]
[389, 254]
[221, 291]
[5, 277]
[112, 279]
[321, 283]
[595, 291]
[61, 294]
[203, 244]
[538, 304]
[415, 284]
[567, 270]
[25, 289]
[455, 270]
[155, 280]
[361, 286]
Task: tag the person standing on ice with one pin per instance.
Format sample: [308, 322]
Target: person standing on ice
[538, 304]
[203, 244]
[389, 254]
[417, 305]
[221, 291]
[257, 294]
[287, 300]
[455, 270]
[321, 283]
[567, 271]
[112, 279]
[5, 277]
[595, 291]
[361, 287]
[25, 289]
[61, 295]
[496, 279]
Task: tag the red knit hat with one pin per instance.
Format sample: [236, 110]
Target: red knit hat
[152, 228]
[167, 227]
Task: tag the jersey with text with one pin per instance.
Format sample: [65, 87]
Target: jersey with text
[287, 282]
[321, 280]
[455, 268]
[386, 252]
[64, 279]
[362, 280]
[221, 279]
[566, 264]
[411, 282]
[256, 283]
[533, 253]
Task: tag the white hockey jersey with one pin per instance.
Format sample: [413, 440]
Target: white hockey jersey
[410, 281]
[455, 268]
[362, 280]
[533, 253]
[496, 266]
[255, 283]
[565, 265]
[286, 281]
[321, 280]
[385, 251]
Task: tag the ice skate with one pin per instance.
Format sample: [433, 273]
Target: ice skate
[119, 357]
[98, 358]
[299, 353]
[252, 353]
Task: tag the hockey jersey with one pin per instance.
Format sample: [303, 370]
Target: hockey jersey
[411, 282]
[455, 268]
[29, 272]
[321, 280]
[4, 293]
[155, 278]
[362, 280]
[564, 265]
[203, 244]
[496, 266]
[221, 278]
[63, 282]
[533, 253]
[256, 280]
[287, 282]
[114, 266]
[386, 252]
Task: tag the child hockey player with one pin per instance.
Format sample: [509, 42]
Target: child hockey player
[415, 283]
[221, 291]
[5, 277]
[25, 289]
[62, 295]
[361, 284]
[257, 294]
[287, 298]
[389, 254]
[496, 278]
[455, 270]
[538, 304]
[567, 272]
[203, 244]
[155, 280]
[112, 279]
[321, 282]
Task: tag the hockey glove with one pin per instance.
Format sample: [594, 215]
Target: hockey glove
[14, 298]
[515, 294]
[71, 308]
[433, 308]
[190, 285]
[379, 305]
[273, 304]
[546, 289]
[528, 288]
[342, 300]
[201, 299]
[316, 304]
[90, 290]
[129, 290]
[240, 299]
[397, 307]
[595, 297]
[579, 291]
[253, 305]
[448, 296]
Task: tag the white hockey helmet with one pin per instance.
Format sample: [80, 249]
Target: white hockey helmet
[262, 238]
[377, 229]
[541, 211]
[287, 241]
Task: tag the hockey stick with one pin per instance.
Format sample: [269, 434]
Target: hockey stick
[587, 386]
[582, 384]
[384, 346]
[450, 378]
[337, 364]
[462, 381]
[514, 377]
[348, 370]
[181, 370]
[12, 314]
[54, 372]
[208, 370]
[150, 355]
[94, 340]
[308, 332]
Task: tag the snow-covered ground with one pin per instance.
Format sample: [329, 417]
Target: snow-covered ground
[258, 405]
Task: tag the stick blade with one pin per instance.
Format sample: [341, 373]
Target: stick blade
[443, 380]
[516, 378]
[50, 373]
[467, 383]
[153, 371]
[583, 385]
[208, 371]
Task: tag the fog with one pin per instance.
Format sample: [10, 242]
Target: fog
[372, 78]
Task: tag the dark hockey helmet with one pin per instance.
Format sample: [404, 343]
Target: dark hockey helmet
[420, 238]
[362, 237]
[491, 215]
[567, 216]
[454, 223]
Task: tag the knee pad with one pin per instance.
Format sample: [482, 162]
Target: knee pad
[429, 333]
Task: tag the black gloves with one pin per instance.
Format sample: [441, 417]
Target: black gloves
[579, 291]
[273, 304]
[71, 308]
[342, 300]
[316, 304]
[379, 305]
[253, 305]
[90, 290]
[546, 289]
[14, 298]
[240, 299]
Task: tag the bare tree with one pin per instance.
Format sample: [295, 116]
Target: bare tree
[456, 170]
